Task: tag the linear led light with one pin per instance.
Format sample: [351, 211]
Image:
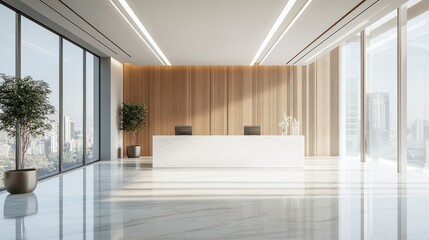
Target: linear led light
[273, 29]
[287, 29]
[137, 32]
[143, 29]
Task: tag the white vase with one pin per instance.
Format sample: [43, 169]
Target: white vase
[284, 131]
[295, 128]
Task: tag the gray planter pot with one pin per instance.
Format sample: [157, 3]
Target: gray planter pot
[133, 151]
[21, 181]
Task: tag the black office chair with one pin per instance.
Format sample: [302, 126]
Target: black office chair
[252, 130]
[183, 130]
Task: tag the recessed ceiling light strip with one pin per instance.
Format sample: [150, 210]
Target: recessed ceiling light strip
[143, 29]
[274, 29]
[287, 29]
[137, 32]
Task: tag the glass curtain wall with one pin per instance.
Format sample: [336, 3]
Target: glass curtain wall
[418, 83]
[40, 58]
[92, 139]
[381, 68]
[73, 104]
[7, 66]
[350, 55]
[40, 51]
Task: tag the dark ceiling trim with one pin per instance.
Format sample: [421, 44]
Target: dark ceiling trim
[96, 29]
[332, 26]
[79, 27]
[337, 31]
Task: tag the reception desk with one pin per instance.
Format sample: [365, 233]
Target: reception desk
[228, 151]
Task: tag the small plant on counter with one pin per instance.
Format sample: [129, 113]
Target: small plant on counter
[286, 122]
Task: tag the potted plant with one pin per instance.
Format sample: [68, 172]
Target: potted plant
[24, 110]
[134, 118]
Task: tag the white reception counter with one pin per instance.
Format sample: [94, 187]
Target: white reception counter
[228, 151]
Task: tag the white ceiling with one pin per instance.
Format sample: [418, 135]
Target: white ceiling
[207, 32]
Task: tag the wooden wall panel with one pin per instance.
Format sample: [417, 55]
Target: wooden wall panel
[240, 99]
[267, 100]
[137, 76]
[200, 100]
[171, 99]
[323, 107]
[220, 100]
[310, 136]
[282, 96]
[297, 96]
[304, 94]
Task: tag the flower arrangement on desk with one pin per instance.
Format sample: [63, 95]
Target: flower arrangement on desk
[286, 122]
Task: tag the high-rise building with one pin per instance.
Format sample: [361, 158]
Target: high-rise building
[67, 129]
[352, 117]
[53, 140]
[378, 125]
[72, 129]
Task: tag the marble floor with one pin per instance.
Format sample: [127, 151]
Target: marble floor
[331, 198]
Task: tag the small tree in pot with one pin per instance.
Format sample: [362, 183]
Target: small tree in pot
[24, 110]
[134, 117]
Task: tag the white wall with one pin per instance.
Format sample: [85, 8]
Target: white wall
[111, 100]
[116, 98]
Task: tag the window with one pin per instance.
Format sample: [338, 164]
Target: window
[380, 132]
[92, 140]
[40, 60]
[350, 58]
[418, 84]
[72, 105]
[7, 66]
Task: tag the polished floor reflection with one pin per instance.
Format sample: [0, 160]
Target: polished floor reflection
[332, 198]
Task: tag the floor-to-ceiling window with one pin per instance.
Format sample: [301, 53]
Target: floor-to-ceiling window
[73, 104]
[7, 66]
[92, 140]
[350, 94]
[418, 83]
[381, 68]
[40, 59]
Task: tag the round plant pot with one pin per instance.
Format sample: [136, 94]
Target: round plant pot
[21, 181]
[133, 151]
[20, 206]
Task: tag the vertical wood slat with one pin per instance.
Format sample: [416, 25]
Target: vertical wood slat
[311, 111]
[218, 100]
[221, 100]
[323, 131]
[200, 100]
[240, 99]
[267, 100]
[282, 89]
